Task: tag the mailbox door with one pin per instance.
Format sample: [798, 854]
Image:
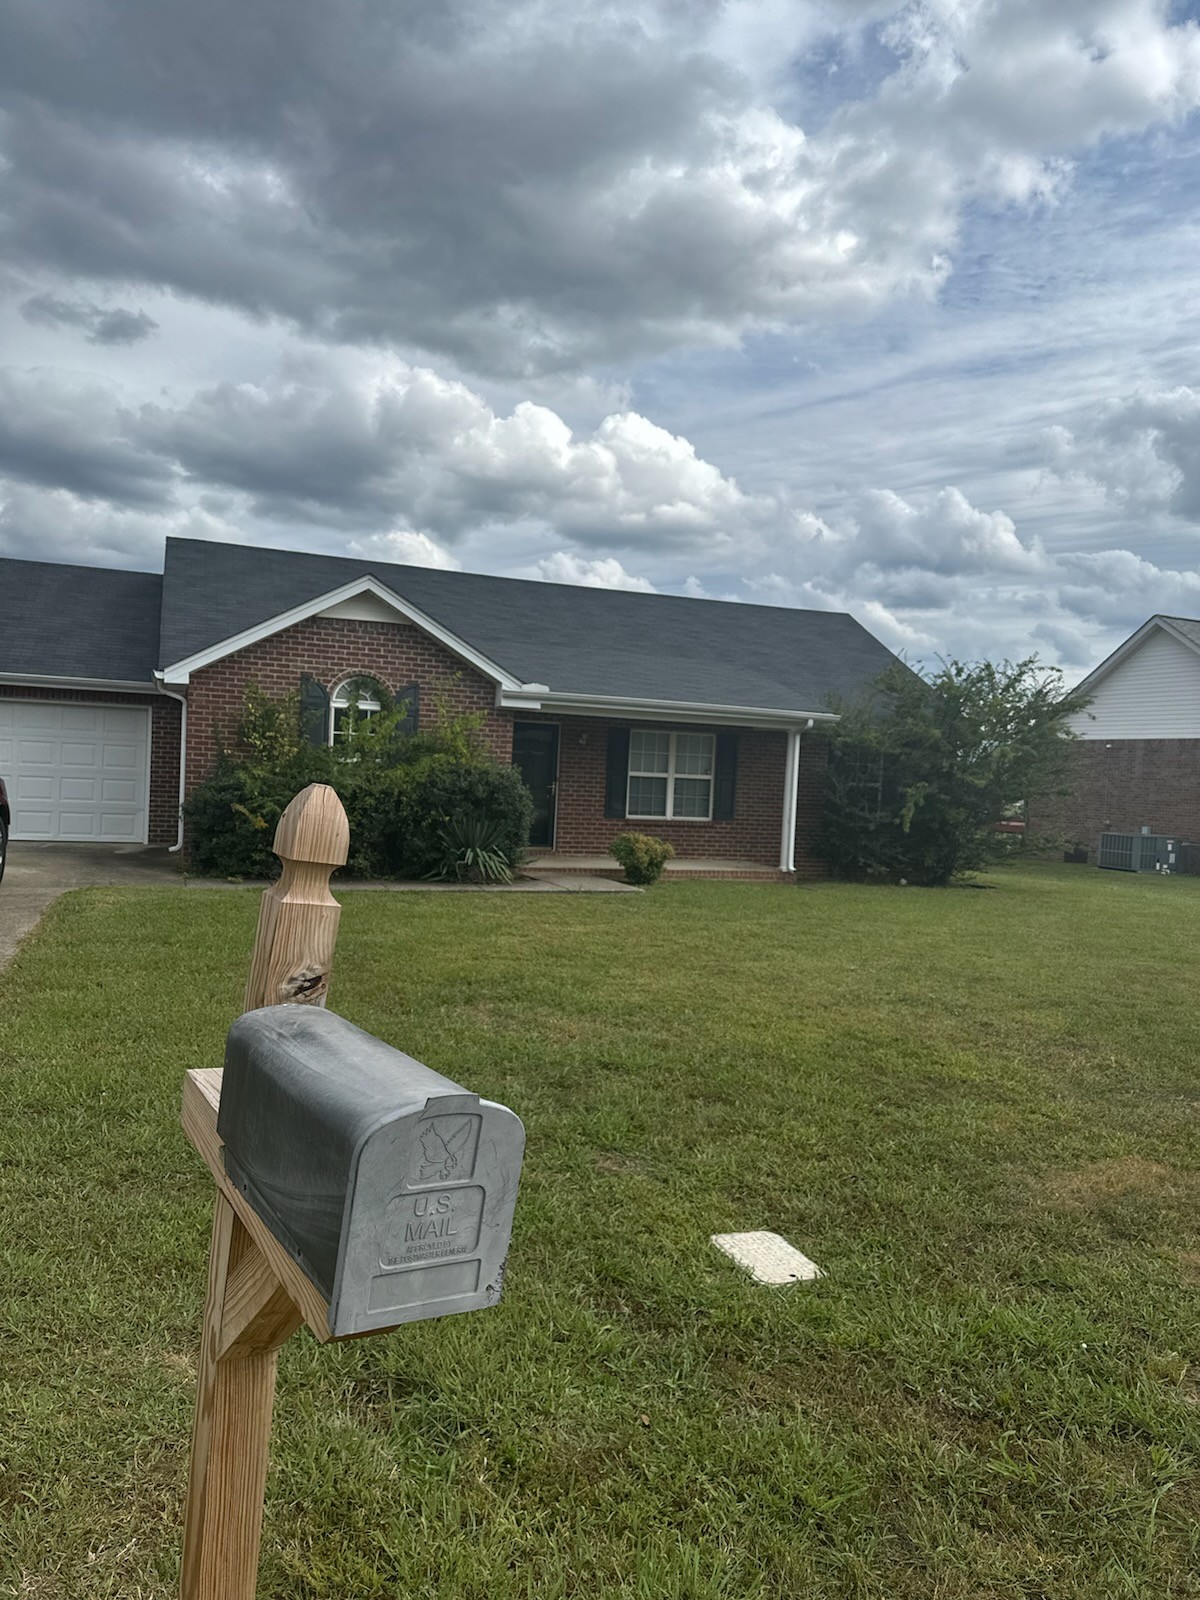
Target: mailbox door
[429, 1216]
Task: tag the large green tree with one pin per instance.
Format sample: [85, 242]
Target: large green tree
[923, 769]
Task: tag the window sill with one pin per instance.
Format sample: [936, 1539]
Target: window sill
[629, 817]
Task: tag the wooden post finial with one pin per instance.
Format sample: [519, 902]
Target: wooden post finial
[314, 828]
[298, 917]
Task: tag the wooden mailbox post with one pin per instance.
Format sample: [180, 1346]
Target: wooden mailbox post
[257, 1295]
[356, 1190]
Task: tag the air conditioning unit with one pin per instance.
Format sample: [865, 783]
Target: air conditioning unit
[1136, 852]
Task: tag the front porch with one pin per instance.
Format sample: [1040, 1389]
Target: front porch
[734, 801]
[603, 866]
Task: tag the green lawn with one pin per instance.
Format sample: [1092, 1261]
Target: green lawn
[976, 1110]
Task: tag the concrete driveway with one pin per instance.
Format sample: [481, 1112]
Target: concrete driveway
[38, 873]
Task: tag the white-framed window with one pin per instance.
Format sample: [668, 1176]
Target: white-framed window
[361, 692]
[671, 775]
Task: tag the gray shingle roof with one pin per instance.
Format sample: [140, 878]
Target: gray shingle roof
[59, 621]
[1188, 626]
[78, 622]
[598, 642]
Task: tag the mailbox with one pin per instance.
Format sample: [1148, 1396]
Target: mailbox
[392, 1186]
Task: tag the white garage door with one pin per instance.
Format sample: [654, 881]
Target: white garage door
[76, 771]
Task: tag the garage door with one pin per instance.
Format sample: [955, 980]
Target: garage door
[76, 771]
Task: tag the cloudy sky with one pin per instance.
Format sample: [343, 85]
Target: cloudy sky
[834, 303]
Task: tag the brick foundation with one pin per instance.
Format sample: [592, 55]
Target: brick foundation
[165, 715]
[1121, 786]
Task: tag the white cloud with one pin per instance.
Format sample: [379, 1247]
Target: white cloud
[407, 547]
[55, 525]
[1143, 451]
[893, 631]
[351, 451]
[603, 573]
[329, 448]
[534, 187]
[1120, 589]
[944, 535]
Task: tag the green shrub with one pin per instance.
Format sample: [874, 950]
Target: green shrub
[473, 851]
[922, 770]
[400, 791]
[232, 814]
[642, 855]
[448, 789]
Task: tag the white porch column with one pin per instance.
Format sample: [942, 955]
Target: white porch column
[791, 792]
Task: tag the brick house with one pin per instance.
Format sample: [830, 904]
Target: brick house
[696, 720]
[1136, 762]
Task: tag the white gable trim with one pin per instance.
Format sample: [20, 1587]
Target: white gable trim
[179, 672]
[1134, 642]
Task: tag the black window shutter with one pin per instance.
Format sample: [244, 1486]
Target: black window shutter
[410, 699]
[725, 777]
[314, 711]
[616, 783]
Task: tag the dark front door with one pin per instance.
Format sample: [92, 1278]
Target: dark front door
[535, 756]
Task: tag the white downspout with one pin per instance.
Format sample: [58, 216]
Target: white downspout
[791, 785]
[162, 689]
[791, 798]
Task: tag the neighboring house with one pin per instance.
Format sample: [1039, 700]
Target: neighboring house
[1137, 760]
[691, 719]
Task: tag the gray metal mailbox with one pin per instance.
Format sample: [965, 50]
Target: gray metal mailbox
[392, 1186]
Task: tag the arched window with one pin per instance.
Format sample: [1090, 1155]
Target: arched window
[354, 699]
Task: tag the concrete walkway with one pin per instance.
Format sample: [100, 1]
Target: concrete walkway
[544, 883]
[551, 863]
[38, 873]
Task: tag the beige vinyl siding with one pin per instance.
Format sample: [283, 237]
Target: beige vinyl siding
[365, 608]
[1153, 694]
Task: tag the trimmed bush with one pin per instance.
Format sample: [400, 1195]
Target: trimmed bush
[642, 855]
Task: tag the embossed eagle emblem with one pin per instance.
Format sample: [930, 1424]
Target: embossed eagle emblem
[442, 1156]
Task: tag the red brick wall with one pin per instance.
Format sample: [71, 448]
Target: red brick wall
[165, 719]
[330, 649]
[752, 834]
[1123, 785]
[164, 746]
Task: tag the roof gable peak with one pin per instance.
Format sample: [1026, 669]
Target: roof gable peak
[1158, 623]
[179, 672]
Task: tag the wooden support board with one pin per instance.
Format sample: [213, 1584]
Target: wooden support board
[257, 1294]
[231, 1434]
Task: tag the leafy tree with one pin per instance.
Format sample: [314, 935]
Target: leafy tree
[921, 772]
